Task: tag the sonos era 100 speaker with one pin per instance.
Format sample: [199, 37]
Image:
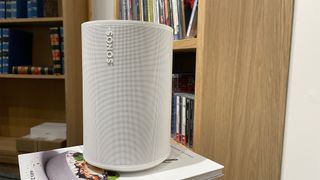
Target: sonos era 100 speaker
[127, 79]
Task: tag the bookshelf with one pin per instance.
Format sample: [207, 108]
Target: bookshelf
[28, 100]
[45, 21]
[27, 76]
[240, 58]
[185, 44]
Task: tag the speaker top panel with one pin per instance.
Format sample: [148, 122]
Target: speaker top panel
[128, 22]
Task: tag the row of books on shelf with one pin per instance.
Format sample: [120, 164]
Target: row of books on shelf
[28, 8]
[181, 15]
[183, 108]
[16, 52]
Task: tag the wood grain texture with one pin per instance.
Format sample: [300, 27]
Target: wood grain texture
[8, 146]
[32, 21]
[28, 102]
[75, 12]
[241, 81]
[185, 44]
[30, 76]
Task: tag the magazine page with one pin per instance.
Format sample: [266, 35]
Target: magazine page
[68, 163]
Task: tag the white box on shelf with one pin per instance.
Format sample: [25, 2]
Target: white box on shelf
[49, 130]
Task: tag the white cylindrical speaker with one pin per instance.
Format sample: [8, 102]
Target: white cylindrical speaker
[127, 79]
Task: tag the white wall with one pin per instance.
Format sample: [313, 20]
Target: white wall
[102, 9]
[301, 155]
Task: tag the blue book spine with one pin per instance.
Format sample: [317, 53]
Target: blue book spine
[0, 50]
[62, 49]
[5, 50]
[8, 8]
[29, 8]
[173, 120]
[37, 8]
[33, 8]
[13, 7]
[2, 9]
[21, 9]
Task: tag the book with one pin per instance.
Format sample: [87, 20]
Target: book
[69, 163]
[29, 9]
[178, 117]
[19, 9]
[5, 50]
[8, 8]
[62, 48]
[35, 8]
[183, 119]
[16, 49]
[56, 49]
[176, 26]
[32, 70]
[150, 10]
[173, 116]
[50, 8]
[145, 10]
[135, 10]
[0, 50]
[192, 27]
[129, 9]
[191, 122]
[156, 7]
[2, 9]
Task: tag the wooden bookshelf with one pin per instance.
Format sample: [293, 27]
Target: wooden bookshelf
[185, 44]
[8, 152]
[28, 100]
[27, 76]
[46, 21]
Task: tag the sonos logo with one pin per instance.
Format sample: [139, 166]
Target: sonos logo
[109, 43]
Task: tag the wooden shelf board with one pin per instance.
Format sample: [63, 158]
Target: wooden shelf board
[173, 141]
[185, 44]
[32, 21]
[29, 76]
[8, 151]
[8, 146]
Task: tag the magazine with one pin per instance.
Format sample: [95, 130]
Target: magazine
[68, 163]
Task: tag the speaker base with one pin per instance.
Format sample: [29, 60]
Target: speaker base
[128, 168]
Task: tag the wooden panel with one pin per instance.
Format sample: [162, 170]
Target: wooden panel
[29, 76]
[90, 8]
[28, 102]
[241, 82]
[75, 12]
[32, 21]
[8, 146]
[185, 44]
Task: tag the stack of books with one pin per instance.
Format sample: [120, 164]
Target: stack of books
[181, 15]
[69, 163]
[183, 108]
[45, 136]
[16, 49]
[16, 52]
[28, 8]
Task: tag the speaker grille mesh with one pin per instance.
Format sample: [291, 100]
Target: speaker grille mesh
[127, 105]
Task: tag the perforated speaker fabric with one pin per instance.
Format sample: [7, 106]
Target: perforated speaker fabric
[127, 103]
